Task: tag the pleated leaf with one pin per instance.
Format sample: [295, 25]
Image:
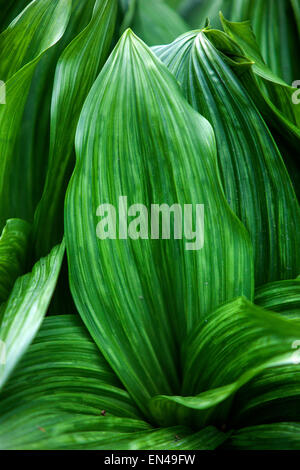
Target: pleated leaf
[33, 32]
[272, 396]
[278, 91]
[75, 73]
[241, 341]
[63, 395]
[275, 436]
[137, 137]
[280, 296]
[25, 309]
[254, 177]
[278, 45]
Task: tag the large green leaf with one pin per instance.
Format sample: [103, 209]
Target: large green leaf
[13, 254]
[254, 177]
[277, 436]
[33, 32]
[33, 138]
[61, 365]
[296, 7]
[76, 72]
[26, 307]
[63, 395]
[138, 137]
[242, 341]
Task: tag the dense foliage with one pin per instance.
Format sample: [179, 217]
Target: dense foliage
[140, 343]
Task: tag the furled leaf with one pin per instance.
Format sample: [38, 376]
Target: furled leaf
[241, 341]
[26, 307]
[137, 137]
[13, 254]
[76, 71]
[254, 177]
[34, 31]
[279, 92]
[278, 44]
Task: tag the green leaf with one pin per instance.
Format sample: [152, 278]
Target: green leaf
[254, 177]
[62, 364]
[33, 137]
[63, 394]
[26, 307]
[279, 92]
[138, 137]
[296, 7]
[280, 296]
[13, 254]
[271, 396]
[9, 10]
[177, 438]
[156, 23]
[75, 73]
[241, 341]
[278, 45]
[34, 31]
[275, 436]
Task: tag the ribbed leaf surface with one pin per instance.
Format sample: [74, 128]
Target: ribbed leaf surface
[138, 137]
[253, 174]
[241, 341]
[26, 307]
[75, 73]
[13, 254]
[33, 32]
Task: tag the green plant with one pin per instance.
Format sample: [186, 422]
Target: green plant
[181, 338]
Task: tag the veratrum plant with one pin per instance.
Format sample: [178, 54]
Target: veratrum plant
[149, 248]
[149, 164]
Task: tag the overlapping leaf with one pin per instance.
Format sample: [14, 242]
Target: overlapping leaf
[253, 174]
[283, 436]
[241, 341]
[26, 307]
[278, 44]
[75, 74]
[63, 395]
[281, 296]
[138, 137]
[34, 31]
